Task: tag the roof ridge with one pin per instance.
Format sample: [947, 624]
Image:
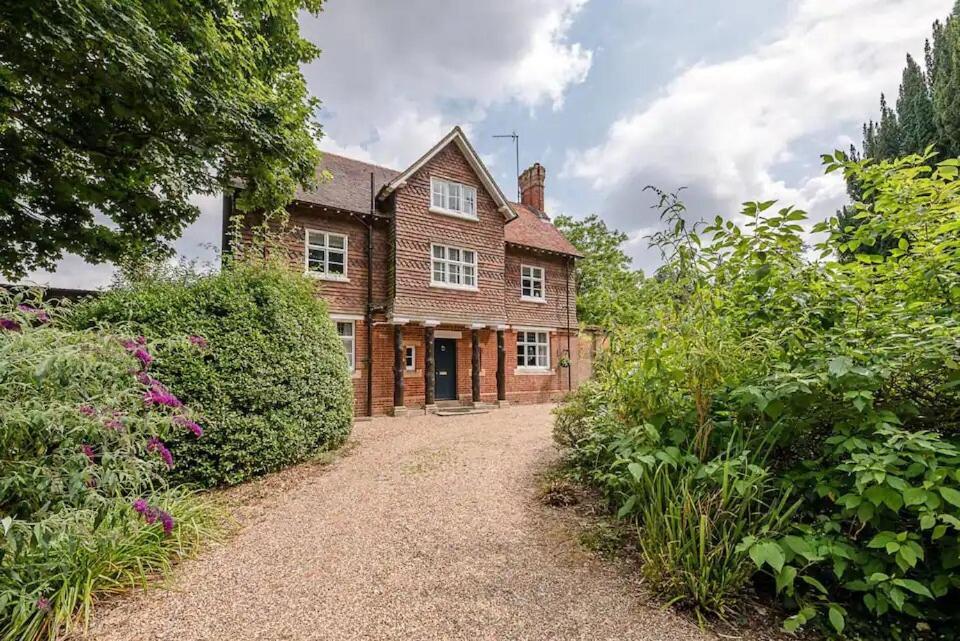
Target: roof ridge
[356, 160]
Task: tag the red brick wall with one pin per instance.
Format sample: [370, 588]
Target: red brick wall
[539, 387]
[415, 227]
[553, 312]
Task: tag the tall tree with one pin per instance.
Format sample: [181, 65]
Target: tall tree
[915, 110]
[607, 286]
[114, 112]
[944, 73]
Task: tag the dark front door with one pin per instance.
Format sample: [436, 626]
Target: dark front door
[445, 352]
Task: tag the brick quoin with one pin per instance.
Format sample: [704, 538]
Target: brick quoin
[403, 228]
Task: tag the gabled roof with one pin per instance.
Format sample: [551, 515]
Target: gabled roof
[456, 136]
[349, 188]
[533, 229]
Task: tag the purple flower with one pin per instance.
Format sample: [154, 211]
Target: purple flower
[30, 309]
[9, 324]
[166, 520]
[143, 356]
[88, 410]
[43, 603]
[183, 421]
[156, 445]
[153, 514]
[141, 340]
[148, 380]
[88, 451]
[199, 341]
[114, 424]
[160, 396]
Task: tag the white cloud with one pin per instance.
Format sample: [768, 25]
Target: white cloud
[395, 77]
[725, 126]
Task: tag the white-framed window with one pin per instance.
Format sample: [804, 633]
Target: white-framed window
[347, 331]
[410, 357]
[454, 267]
[326, 254]
[533, 349]
[532, 283]
[449, 197]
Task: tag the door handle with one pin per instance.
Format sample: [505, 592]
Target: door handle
[442, 373]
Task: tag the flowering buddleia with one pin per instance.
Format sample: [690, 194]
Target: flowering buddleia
[183, 421]
[156, 445]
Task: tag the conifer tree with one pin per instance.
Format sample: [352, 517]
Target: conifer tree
[915, 110]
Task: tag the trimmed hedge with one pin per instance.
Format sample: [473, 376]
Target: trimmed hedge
[254, 352]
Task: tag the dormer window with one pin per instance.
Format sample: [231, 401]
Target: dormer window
[453, 198]
[532, 284]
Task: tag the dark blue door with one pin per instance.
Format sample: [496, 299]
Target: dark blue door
[445, 353]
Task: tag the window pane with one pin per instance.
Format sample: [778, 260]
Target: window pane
[468, 256]
[437, 200]
[453, 254]
[468, 276]
[469, 200]
[454, 273]
[453, 197]
[335, 242]
[315, 238]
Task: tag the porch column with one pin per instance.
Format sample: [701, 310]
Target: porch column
[429, 367]
[475, 364]
[501, 367]
[398, 366]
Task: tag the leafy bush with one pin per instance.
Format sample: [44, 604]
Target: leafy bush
[254, 351]
[84, 506]
[824, 394]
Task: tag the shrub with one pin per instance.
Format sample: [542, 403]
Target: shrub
[825, 392]
[253, 350]
[84, 505]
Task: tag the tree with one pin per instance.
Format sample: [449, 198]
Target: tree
[915, 110]
[607, 287]
[114, 112]
[944, 73]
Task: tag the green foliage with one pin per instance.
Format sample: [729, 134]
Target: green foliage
[114, 112]
[75, 437]
[607, 287]
[269, 376]
[815, 401]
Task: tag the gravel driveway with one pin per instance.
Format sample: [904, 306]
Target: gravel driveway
[427, 528]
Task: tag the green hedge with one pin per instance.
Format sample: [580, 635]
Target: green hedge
[254, 352]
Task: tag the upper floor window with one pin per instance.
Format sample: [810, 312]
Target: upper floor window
[532, 283]
[453, 267]
[326, 254]
[448, 197]
[533, 350]
[347, 335]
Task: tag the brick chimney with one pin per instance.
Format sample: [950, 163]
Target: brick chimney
[531, 186]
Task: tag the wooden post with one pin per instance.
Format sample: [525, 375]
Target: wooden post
[501, 367]
[475, 364]
[429, 367]
[398, 366]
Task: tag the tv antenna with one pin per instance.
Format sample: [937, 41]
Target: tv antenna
[516, 146]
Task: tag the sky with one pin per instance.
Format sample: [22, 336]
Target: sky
[733, 101]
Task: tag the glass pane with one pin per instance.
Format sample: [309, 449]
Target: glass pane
[316, 238]
[531, 361]
[468, 256]
[344, 328]
[469, 200]
[335, 242]
[453, 254]
[438, 275]
[525, 272]
[454, 273]
[453, 198]
[437, 251]
[437, 194]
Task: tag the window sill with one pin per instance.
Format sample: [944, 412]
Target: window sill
[328, 277]
[531, 299]
[453, 214]
[534, 371]
[459, 288]
[355, 374]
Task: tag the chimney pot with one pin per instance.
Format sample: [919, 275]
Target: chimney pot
[532, 181]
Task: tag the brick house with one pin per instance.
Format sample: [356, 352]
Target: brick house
[443, 291]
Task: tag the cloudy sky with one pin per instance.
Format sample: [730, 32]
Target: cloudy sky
[732, 100]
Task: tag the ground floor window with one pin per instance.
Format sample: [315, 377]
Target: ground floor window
[410, 357]
[533, 349]
[347, 335]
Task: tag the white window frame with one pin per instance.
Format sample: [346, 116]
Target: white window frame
[447, 263]
[465, 193]
[542, 279]
[352, 352]
[541, 365]
[410, 357]
[308, 245]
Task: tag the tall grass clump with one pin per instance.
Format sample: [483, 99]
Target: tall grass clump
[782, 414]
[85, 507]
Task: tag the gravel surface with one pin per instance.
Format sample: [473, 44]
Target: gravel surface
[426, 528]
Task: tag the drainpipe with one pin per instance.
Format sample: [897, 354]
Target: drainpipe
[369, 314]
[566, 273]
